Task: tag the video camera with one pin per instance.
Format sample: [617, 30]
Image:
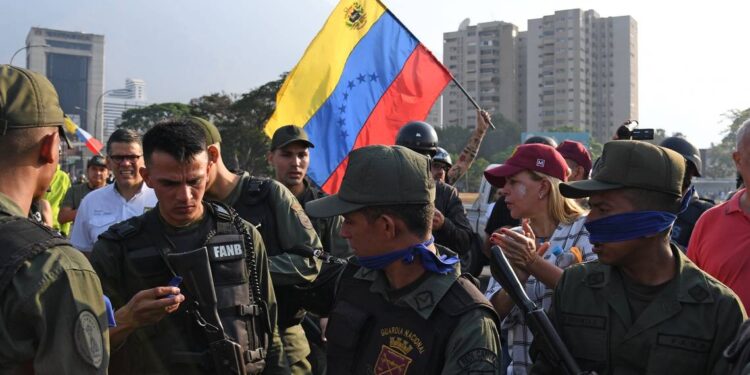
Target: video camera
[629, 130]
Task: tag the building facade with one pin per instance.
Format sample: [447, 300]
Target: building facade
[482, 57]
[581, 72]
[74, 63]
[116, 102]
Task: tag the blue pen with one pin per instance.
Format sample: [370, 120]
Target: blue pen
[175, 282]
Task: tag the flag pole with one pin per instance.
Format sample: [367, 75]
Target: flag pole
[474, 102]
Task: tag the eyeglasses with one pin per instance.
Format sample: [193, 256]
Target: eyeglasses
[121, 158]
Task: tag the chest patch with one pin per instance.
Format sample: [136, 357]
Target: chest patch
[226, 251]
[391, 362]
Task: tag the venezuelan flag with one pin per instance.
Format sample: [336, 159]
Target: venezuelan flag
[362, 78]
[93, 144]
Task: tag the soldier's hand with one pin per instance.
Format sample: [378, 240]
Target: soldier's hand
[149, 306]
[438, 220]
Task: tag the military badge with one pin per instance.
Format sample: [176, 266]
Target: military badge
[88, 338]
[391, 362]
[356, 18]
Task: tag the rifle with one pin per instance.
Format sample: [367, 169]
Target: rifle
[552, 346]
[194, 266]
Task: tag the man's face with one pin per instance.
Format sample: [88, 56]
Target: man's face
[290, 163]
[742, 158]
[97, 176]
[608, 203]
[178, 186]
[439, 170]
[576, 171]
[125, 160]
[361, 235]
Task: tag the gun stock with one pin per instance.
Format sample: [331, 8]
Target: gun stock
[553, 347]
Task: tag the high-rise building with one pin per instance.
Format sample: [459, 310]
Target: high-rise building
[74, 63]
[483, 58]
[116, 102]
[581, 72]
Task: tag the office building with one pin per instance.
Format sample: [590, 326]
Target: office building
[482, 57]
[74, 63]
[116, 102]
[581, 72]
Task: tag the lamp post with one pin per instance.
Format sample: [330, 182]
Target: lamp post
[96, 116]
[23, 48]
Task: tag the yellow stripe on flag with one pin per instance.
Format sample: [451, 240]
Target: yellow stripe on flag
[316, 75]
[70, 126]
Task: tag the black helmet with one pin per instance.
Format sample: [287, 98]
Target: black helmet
[541, 140]
[443, 156]
[686, 149]
[418, 136]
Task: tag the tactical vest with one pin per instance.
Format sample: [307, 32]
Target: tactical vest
[367, 334]
[178, 344]
[253, 206]
[683, 226]
[22, 239]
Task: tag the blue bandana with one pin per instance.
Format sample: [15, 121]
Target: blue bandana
[632, 225]
[430, 261]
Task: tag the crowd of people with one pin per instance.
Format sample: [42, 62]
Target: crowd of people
[181, 265]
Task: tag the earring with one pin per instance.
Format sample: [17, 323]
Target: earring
[540, 196]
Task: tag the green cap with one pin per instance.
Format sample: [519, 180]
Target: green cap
[288, 134]
[378, 176]
[632, 164]
[212, 133]
[28, 100]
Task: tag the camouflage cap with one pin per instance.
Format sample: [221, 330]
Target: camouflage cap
[212, 132]
[378, 176]
[288, 134]
[632, 164]
[28, 100]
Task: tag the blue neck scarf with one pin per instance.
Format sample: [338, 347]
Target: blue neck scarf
[632, 225]
[430, 261]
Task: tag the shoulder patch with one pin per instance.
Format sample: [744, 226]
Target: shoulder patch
[698, 293]
[302, 216]
[88, 338]
[478, 361]
[121, 230]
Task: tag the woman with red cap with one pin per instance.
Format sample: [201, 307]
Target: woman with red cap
[552, 237]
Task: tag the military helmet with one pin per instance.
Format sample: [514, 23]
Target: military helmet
[443, 156]
[541, 139]
[686, 149]
[418, 136]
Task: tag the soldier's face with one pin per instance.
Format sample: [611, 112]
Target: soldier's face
[179, 186]
[360, 234]
[608, 203]
[97, 175]
[439, 170]
[290, 163]
[125, 160]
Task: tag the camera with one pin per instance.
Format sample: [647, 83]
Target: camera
[629, 130]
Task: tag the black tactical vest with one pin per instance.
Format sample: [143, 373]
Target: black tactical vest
[253, 206]
[367, 334]
[683, 226]
[178, 344]
[22, 239]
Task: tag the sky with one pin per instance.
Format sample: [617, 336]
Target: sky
[692, 59]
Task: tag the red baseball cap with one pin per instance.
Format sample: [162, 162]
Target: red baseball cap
[577, 152]
[535, 157]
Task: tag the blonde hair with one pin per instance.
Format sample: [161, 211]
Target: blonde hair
[561, 209]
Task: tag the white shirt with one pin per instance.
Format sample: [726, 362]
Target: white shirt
[104, 207]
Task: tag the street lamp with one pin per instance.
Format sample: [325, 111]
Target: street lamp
[96, 115]
[23, 48]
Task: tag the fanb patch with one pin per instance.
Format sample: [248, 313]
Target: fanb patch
[302, 216]
[88, 338]
[391, 362]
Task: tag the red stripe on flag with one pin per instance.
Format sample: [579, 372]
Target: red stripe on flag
[409, 98]
[94, 145]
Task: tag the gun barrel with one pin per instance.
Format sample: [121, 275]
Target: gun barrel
[537, 320]
[195, 268]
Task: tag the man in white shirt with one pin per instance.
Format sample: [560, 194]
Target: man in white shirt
[127, 197]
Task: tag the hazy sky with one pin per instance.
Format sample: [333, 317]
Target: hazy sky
[691, 58]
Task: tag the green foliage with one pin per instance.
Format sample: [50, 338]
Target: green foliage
[473, 178]
[142, 119]
[239, 118]
[720, 163]
[506, 135]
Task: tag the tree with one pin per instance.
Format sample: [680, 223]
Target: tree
[719, 163]
[142, 119]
